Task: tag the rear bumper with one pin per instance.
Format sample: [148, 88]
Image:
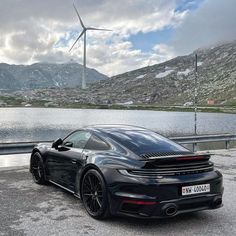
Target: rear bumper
[171, 208]
[162, 198]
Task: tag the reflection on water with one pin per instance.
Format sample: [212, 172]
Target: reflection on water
[33, 124]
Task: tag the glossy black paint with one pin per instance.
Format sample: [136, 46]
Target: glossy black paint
[66, 166]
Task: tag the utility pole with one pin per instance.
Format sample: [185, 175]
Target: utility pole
[195, 96]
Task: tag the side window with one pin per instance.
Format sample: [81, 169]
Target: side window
[77, 139]
[96, 143]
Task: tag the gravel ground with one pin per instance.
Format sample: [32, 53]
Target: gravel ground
[30, 209]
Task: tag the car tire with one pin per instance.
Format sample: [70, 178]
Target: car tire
[94, 195]
[37, 169]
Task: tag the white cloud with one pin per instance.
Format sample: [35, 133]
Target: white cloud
[30, 29]
[163, 52]
[213, 22]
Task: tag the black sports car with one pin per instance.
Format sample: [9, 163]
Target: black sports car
[126, 170]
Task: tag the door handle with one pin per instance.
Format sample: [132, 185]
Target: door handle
[73, 161]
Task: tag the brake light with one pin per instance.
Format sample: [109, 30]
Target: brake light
[190, 158]
[139, 202]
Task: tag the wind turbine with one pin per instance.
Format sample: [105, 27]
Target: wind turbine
[84, 31]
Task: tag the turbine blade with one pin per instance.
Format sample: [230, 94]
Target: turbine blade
[81, 22]
[92, 28]
[77, 40]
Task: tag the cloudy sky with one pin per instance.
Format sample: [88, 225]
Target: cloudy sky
[145, 32]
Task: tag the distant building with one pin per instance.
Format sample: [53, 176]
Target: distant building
[210, 102]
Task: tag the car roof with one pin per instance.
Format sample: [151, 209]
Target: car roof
[137, 139]
[112, 127]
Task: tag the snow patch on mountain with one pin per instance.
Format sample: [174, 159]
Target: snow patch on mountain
[185, 72]
[140, 76]
[199, 63]
[164, 74]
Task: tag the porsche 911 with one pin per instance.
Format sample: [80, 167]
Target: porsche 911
[128, 171]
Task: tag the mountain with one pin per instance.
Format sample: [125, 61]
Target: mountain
[172, 82]
[43, 75]
[167, 83]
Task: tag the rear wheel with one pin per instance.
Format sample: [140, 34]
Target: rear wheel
[94, 195]
[37, 169]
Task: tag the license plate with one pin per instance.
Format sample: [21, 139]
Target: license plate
[195, 189]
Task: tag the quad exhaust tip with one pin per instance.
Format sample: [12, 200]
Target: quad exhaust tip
[217, 202]
[170, 209]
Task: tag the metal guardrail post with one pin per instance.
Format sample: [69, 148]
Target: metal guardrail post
[227, 144]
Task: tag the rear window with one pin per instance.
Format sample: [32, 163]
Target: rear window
[145, 141]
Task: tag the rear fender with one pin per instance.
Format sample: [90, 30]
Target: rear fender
[80, 174]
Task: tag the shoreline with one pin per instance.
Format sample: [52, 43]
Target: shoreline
[207, 109]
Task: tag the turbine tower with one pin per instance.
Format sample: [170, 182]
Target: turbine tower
[84, 31]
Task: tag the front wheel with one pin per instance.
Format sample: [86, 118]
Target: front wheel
[94, 195]
[37, 169]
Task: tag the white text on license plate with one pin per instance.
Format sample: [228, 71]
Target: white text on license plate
[195, 189]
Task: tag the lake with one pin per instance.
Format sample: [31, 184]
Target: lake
[34, 124]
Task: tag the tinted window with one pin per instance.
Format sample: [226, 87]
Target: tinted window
[96, 143]
[77, 139]
[145, 141]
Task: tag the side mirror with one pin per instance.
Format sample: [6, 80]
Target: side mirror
[57, 143]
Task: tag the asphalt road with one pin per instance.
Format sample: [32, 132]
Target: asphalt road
[30, 209]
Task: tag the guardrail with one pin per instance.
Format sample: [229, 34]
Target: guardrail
[26, 147]
[18, 147]
[194, 140]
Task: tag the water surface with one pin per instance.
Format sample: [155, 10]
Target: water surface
[34, 124]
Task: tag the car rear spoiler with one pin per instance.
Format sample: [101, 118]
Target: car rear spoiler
[182, 157]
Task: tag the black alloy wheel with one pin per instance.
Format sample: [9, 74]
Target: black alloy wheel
[37, 169]
[94, 195]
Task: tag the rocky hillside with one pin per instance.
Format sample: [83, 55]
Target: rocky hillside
[42, 75]
[172, 82]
